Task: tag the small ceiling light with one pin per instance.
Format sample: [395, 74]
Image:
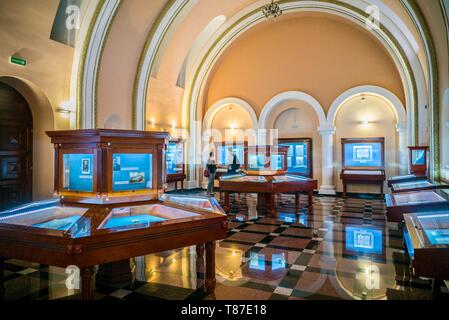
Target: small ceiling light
[233, 126]
[365, 122]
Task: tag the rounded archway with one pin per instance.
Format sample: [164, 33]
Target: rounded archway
[43, 153]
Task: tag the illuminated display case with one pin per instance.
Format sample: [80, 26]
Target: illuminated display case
[426, 239]
[110, 231]
[299, 156]
[419, 163]
[402, 203]
[108, 162]
[266, 160]
[363, 162]
[175, 162]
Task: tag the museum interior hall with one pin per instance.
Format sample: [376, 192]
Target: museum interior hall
[224, 149]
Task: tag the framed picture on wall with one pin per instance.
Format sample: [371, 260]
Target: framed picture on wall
[85, 166]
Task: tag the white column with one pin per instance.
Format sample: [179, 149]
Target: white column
[401, 128]
[327, 145]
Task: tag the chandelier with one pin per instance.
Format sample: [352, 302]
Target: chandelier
[272, 10]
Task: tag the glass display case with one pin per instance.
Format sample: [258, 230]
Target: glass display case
[109, 162]
[363, 162]
[231, 155]
[299, 156]
[107, 232]
[419, 160]
[426, 238]
[175, 163]
[363, 153]
[266, 160]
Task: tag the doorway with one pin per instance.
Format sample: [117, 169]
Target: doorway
[16, 148]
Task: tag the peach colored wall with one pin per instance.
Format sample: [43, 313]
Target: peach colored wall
[120, 58]
[222, 125]
[319, 54]
[382, 124]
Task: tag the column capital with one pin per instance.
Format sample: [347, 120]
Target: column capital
[401, 126]
[326, 130]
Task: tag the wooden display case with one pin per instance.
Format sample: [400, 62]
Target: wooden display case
[299, 156]
[419, 160]
[363, 162]
[102, 162]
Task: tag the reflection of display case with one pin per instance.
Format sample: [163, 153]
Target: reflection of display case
[299, 156]
[110, 231]
[108, 162]
[419, 163]
[426, 238]
[363, 162]
[365, 241]
[416, 201]
[175, 163]
[266, 160]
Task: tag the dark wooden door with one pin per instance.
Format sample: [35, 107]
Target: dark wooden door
[16, 141]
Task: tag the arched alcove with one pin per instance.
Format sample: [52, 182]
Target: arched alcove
[367, 116]
[43, 117]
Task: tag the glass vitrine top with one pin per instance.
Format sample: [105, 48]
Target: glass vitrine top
[434, 227]
[412, 185]
[244, 178]
[140, 217]
[412, 198]
[364, 172]
[409, 176]
[44, 215]
[193, 201]
[289, 178]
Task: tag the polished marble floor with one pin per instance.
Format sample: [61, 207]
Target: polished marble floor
[341, 249]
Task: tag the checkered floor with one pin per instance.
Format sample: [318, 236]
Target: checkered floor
[297, 255]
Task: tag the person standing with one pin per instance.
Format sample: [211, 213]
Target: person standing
[212, 168]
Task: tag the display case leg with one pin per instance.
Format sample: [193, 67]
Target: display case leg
[436, 288]
[87, 290]
[297, 203]
[272, 204]
[210, 281]
[226, 206]
[200, 250]
[310, 198]
[344, 190]
[2, 279]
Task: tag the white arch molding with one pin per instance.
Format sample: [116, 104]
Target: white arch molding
[290, 96]
[87, 59]
[223, 103]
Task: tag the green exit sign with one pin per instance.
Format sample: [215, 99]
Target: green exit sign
[18, 61]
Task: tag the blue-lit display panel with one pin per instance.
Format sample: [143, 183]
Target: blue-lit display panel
[365, 240]
[363, 154]
[78, 172]
[277, 162]
[175, 158]
[297, 157]
[257, 162]
[225, 154]
[408, 243]
[435, 227]
[132, 172]
[418, 157]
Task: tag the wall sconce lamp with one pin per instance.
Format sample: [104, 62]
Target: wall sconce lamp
[173, 125]
[152, 122]
[64, 108]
